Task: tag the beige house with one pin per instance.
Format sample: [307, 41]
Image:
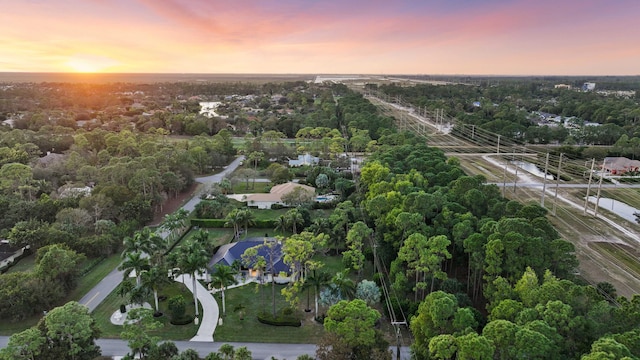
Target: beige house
[264, 201]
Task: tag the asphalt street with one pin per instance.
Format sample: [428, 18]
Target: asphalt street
[115, 347]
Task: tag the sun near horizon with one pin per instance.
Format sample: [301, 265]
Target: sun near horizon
[82, 63]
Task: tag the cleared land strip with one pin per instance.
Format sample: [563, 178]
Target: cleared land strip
[604, 245]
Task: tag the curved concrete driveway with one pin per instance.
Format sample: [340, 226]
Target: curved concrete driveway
[210, 310]
[96, 295]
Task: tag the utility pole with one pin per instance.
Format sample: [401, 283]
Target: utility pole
[498, 151]
[586, 198]
[555, 198]
[544, 180]
[396, 324]
[504, 177]
[595, 211]
[515, 180]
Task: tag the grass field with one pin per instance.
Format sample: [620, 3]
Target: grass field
[25, 264]
[103, 313]
[628, 256]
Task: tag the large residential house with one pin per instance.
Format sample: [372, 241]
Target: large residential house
[231, 254]
[265, 201]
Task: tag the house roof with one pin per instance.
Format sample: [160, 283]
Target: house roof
[288, 187]
[276, 193]
[6, 250]
[228, 253]
[620, 163]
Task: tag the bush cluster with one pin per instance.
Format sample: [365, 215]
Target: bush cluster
[219, 223]
[282, 318]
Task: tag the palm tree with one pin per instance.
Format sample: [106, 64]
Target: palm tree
[256, 157]
[175, 221]
[223, 276]
[157, 247]
[155, 278]
[232, 219]
[134, 261]
[192, 258]
[139, 242]
[226, 186]
[202, 237]
[246, 218]
[227, 351]
[345, 286]
[294, 218]
[242, 353]
[281, 223]
[317, 280]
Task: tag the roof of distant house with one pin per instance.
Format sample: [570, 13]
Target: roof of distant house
[620, 163]
[305, 159]
[50, 158]
[6, 249]
[278, 191]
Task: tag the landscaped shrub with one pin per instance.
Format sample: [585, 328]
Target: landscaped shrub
[285, 317]
[208, 223]
[185, 320]
[219, 223]
[177, 306]
[324, 205]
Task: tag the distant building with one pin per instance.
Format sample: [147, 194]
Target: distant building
[305, 159]
[562, 86]
[588, 86]
[620, 165]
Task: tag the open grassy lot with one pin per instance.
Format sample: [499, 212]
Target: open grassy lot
[103, 313]
[250, 329]
[626, 255]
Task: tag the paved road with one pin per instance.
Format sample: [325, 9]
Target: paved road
[96, 295]
[114, 347]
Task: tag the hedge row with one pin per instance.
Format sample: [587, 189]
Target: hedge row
[279, 320]
[182, 321]
[219, 223]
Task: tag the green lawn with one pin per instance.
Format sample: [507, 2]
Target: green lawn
[219, 236]
[268, 214]
[260, 187]
[250, 329]
[24, 264]
[103, 313]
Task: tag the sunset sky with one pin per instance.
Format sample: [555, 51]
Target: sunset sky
[509, 37]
